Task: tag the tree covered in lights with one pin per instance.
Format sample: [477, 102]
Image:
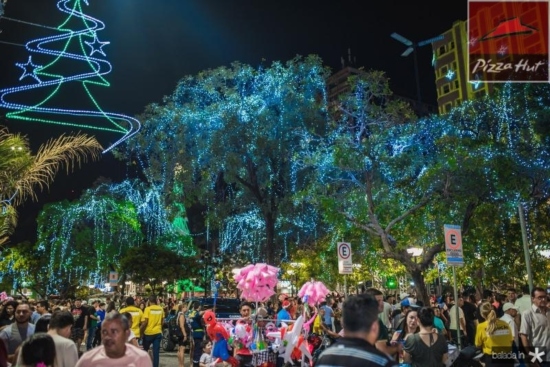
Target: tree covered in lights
[510, 129]
[80, 241]
[235, 131]
[383, 176]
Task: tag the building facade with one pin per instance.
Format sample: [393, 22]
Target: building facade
[451, 69]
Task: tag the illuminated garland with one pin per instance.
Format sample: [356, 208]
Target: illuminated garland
[118, 216]
[41, 77]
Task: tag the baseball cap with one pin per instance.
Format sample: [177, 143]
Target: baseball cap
[407, 303]
[286, 303]
[508, 306]
[403, 295]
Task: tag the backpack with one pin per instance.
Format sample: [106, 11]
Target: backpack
[174, 326]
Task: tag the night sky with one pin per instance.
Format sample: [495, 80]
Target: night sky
[155, 43]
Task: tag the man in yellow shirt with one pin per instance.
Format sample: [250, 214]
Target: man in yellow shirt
[151, 328]
[137, 315]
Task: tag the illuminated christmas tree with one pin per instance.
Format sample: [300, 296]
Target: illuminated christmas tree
[62, 89]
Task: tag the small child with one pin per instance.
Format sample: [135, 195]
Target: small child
[206, 357]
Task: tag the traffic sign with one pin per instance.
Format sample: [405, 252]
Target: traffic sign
[345, 266]
[113, 278]
[453, 245]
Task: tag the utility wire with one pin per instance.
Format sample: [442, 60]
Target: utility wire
[29, 23]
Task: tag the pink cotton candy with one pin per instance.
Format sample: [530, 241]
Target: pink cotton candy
[256, 282]
[313, 292]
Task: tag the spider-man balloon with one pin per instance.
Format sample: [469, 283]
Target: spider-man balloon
[219, 335]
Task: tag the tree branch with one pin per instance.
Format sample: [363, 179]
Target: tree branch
[410, 211]
[367, 227]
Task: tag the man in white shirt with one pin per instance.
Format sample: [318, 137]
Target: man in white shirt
[510, 312]
[535, 330]
[524, 302]
[60, 327]
[385, 315]
[459, 324]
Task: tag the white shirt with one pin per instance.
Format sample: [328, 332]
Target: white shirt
[452, 313]
[534, 324]
[385, 314]
[510, 321]
[523, 303]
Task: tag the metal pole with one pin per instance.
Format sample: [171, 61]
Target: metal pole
[525, 246]
[345, 286]
[456, 309]
[417, 76]
[439, 289]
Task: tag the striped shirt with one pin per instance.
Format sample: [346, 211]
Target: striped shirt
[353, 352]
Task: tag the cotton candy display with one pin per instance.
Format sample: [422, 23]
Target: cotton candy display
[256, 282]
[313, 292]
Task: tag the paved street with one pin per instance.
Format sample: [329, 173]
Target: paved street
[170, 359]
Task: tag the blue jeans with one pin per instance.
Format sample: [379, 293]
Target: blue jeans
[90, 338]
[155, 340]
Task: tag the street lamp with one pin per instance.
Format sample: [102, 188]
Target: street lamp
[412, 48]
[415, 252]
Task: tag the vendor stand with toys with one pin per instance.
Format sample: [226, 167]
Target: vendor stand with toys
[269, 345]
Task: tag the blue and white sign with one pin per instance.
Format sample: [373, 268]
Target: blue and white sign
[453, 245]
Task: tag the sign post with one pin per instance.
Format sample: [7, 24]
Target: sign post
[113, 279]
[453, 249]
[345, 265]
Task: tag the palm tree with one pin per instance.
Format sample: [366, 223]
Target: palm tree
[22, 173]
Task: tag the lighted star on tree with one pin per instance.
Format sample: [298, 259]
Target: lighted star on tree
[29, 69]
[68, 45]
[97, 45]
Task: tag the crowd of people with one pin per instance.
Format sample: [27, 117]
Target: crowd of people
[368, 330]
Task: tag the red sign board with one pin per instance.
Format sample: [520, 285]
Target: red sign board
[508, 41]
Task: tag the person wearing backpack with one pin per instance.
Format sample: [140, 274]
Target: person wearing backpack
[183, 332]
[194, 318]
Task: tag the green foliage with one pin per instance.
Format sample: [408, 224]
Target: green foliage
[22, 173]
[29, 263]
[154, 264]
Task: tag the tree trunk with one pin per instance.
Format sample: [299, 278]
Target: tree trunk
[420, 285]
[269, 239]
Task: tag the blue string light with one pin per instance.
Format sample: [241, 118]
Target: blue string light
[43, 78]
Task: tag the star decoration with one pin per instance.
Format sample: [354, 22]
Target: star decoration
[502, 50]
[472, 42]
[476, 82]
[29, 69]
[450, 74]
[97, 45]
